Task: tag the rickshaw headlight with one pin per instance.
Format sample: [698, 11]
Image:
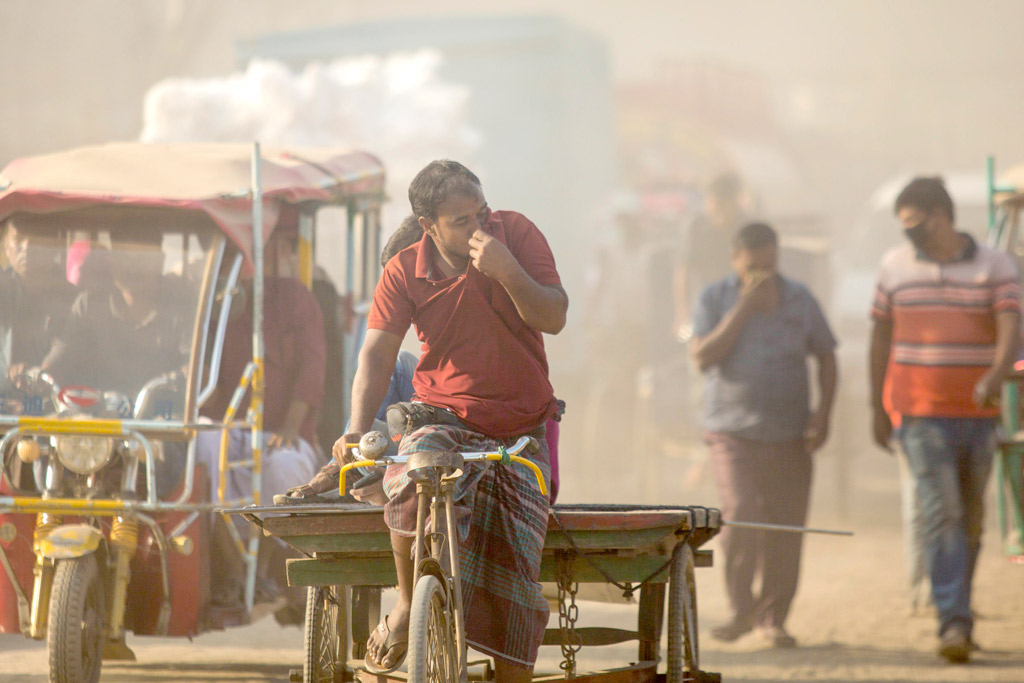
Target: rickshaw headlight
[84, 454]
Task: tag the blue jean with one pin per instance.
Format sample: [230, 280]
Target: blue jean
[950, 460]
[913, 533]
[400, 388]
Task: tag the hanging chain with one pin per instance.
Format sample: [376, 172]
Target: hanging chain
[567, 617]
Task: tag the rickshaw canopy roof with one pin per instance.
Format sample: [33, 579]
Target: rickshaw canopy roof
[213, 178]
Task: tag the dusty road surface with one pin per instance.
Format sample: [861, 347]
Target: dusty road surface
[851, 615]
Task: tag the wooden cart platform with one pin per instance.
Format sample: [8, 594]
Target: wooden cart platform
[649, 549]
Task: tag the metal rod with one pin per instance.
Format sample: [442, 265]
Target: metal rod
[786, 527]
[256, 402]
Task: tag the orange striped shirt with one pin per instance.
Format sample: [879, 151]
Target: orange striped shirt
[944, 326]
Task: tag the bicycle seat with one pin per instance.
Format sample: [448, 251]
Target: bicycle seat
[447, 461]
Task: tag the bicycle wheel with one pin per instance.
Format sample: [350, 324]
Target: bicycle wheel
[325, 635]
[433, 650]
[683, 652]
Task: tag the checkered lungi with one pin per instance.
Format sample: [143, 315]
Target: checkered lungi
[502, 521]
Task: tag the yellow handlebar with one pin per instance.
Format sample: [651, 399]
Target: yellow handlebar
[523, 461]
[352, 466]
[490, 456]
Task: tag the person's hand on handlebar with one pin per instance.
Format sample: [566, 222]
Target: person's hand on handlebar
[342, 450]
[373, 490]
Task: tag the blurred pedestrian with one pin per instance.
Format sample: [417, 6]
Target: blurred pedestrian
[946, 318]
[753, 332]
[617, 315]
[703, 254]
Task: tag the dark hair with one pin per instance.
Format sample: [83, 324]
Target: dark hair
[754, 236]
[24, 223]
[928, 194]
[408, 233]
[438, 181]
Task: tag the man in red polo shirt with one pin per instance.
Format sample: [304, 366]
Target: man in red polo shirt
[480, 288]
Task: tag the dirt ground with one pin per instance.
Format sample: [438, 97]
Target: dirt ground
[851, 615]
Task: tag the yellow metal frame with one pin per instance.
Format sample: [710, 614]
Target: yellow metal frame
[532, 466]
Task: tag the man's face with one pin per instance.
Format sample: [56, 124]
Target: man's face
[755, 264]
[458, 218]
[920, 226]
[286, 258]
[27, 252]
[720, 209]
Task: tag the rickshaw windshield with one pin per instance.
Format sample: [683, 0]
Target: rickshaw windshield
[99, 311]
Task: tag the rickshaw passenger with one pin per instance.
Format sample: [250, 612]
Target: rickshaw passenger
[35, 297]
[480, 288]
[293, 389]
[121, 336]
[283, 261]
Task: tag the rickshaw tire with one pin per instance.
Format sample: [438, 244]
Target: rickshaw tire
[683, 647]
[433, 647]
[76, 621]
[325, 634]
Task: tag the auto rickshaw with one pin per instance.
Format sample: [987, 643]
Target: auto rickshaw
[105, 514]
[1005, 210]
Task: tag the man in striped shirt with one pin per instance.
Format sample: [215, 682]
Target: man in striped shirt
[946, 325]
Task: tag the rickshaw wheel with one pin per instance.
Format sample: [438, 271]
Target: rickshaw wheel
[325, 635]
[76, 621]
[433, 648]
[683, 651]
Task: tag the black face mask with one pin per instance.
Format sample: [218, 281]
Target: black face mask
[918, 234]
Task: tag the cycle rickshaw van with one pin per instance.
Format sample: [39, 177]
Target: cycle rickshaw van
[123, 264]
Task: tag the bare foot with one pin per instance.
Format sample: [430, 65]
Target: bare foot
[388, 643]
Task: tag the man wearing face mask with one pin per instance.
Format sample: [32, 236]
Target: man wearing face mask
[753, 332]
[946, 322]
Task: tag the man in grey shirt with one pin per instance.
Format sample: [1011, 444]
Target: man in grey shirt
[753, 332]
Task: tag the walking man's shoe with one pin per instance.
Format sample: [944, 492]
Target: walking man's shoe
[776, 636]
[727, 633]
[955, 645]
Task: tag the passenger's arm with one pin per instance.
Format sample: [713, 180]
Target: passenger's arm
[288, 434]
[715, 347]
[542, 307]
[881, 346]
[303, 315]
[370, 384]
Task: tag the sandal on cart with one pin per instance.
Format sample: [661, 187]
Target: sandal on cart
[299, 495]
[396, 643]
[325, 481]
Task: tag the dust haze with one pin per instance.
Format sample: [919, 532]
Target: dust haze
[816, 107]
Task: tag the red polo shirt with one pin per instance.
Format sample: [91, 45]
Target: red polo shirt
[479, 360]
[294, 350]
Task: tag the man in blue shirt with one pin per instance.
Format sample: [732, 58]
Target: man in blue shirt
[753, 332]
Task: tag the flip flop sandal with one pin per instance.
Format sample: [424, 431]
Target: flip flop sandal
[309, 494]
[392, 642]
[299, 495]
